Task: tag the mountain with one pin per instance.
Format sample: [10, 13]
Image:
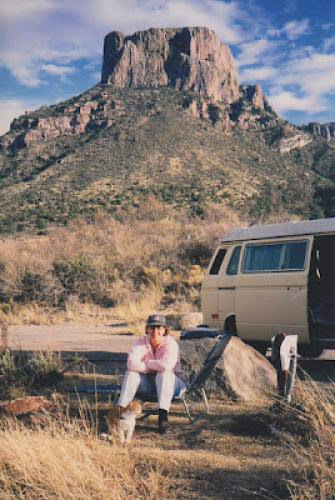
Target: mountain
[168, 119]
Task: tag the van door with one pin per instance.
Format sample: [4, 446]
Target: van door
[227, 289]
[271, 290]
[209, 289]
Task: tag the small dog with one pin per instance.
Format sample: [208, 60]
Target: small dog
[123, 420]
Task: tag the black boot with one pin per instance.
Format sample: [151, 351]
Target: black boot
[163, 423]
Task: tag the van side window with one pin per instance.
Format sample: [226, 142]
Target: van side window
[275, 257]
[234, 260]
[218, 261]
[295, 255]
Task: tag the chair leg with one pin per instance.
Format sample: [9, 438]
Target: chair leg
[188, 411]
[205, 400]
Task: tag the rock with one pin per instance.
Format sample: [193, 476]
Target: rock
[255, 95]
[184, 58]
[184, 321]
[326, 130]
[297, 141]
[242, 373]
[25, 405]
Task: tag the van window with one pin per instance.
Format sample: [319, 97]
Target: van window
[295, 255]
[234, 259]
[275, 257]
[218, 261]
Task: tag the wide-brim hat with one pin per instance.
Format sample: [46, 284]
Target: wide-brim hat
[156, 320]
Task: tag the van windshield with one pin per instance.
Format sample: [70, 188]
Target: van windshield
[275, 257]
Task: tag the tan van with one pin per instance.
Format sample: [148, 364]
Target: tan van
[264, 280]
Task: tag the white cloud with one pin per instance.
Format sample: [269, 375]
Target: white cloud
[59, 32]
[287, 101]
[251, 52]
[304, 84]
[294, 29]
[12, 11]
[10, 109]
[57, 70]
[134, 15]
[314, 75]
[261, 73]
[328, 43]
[61, 71]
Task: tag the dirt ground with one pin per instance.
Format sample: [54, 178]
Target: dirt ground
[70, 337]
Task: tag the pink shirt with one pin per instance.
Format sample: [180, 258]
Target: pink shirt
[142, 358]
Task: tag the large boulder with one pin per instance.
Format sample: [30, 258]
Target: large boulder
[241, 374]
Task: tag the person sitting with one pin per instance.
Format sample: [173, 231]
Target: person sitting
[153, 364]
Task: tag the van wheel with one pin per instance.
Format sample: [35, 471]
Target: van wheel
[310, 351]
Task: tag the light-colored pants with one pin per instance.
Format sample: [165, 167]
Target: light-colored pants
[166, 384]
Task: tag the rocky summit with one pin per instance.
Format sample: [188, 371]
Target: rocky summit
[168, 119]
[184, 58]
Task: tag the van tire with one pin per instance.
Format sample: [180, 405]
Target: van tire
[230, 326]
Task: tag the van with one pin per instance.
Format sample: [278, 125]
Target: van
[263, 280]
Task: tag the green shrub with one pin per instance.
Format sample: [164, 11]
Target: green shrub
[21, 369]
[77, 277]
[36, 287]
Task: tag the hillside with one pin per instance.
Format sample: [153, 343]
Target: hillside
[179, 141]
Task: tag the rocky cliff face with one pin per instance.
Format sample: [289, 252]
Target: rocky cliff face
[185, 58]
[191, 62]
[326, 130]
[73, 117]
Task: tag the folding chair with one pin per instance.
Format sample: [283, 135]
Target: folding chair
[196, 385]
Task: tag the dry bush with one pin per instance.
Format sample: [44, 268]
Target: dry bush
[113, 261]
[313, 461]
[69, 461]
[26, 371]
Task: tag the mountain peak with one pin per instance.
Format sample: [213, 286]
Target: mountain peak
[189, 58]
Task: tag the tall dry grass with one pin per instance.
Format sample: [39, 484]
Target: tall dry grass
[72, 462]
[149, 256]
[313, 460]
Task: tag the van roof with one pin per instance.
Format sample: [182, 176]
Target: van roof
[319, 226]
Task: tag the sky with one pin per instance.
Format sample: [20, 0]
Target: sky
[51, 50]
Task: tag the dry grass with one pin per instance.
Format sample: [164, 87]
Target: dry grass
[68, 460]
[71, 462]
[232, 453]
[314, 461]
[137, 262]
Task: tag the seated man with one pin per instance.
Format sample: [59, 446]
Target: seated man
[153, 364]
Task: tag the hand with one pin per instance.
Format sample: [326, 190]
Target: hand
[150, 371]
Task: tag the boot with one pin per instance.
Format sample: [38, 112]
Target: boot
[163, 423]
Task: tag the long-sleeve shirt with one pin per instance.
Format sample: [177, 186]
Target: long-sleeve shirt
[142, 357]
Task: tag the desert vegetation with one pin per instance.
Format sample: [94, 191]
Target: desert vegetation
[272, 450]
[139, 260]
[130, 264]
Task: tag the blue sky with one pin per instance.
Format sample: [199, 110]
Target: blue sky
[51, 50]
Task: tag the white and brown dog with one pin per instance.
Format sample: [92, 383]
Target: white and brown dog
[123, 420]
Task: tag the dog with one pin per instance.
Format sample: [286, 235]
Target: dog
[123, 420]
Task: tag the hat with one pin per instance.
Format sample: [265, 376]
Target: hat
[156, 320]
